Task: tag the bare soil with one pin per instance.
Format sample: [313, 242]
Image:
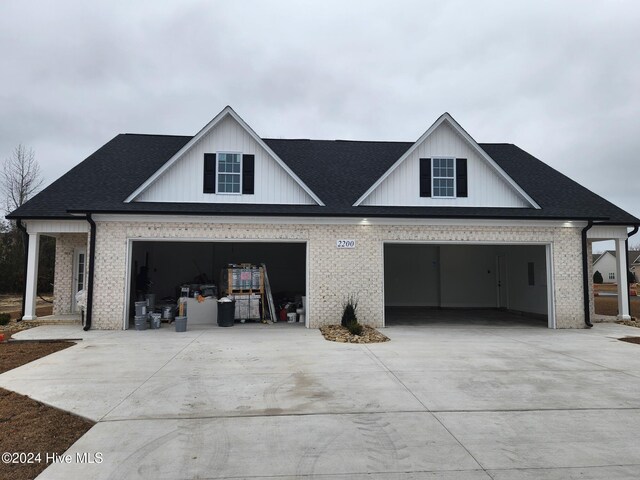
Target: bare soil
[12, 304]
[26, 425]
[338, 333]
[609, 306]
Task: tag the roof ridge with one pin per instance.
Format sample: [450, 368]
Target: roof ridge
[335, 140]
[156, 135]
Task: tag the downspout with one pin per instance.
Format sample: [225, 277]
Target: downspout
[25, 242]
[585, 275]
[626, 247]
[92, 256]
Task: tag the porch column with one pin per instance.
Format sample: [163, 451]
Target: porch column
[623, 285]
[32, 277]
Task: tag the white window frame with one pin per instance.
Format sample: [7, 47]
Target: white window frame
[612, 276]
[433, 178]
[227, 173]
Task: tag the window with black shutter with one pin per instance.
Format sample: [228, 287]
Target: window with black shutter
[209, 184]
[461, 177]
[425, 177]
[248, 174]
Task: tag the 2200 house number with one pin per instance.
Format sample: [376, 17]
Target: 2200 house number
[346, 243]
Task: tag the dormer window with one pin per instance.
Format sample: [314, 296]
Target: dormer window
[229, 172]
[444, 175]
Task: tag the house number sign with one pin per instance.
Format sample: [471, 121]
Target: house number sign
[346, 243]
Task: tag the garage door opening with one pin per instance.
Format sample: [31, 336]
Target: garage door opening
[160, 270]
[467, 284]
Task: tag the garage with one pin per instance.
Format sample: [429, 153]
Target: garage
[161, 272]
[431, 283]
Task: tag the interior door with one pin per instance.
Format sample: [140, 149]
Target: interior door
[501, 282]
[79, 277]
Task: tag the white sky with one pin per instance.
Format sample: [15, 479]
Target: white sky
[560, 79]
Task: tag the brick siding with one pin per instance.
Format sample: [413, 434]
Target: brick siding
[334, 273]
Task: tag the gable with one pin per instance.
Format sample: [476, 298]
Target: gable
[181, 178]
[606, 261]
[487, 184]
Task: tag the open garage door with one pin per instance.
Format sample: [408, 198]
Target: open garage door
[161, 268]
[464, 283]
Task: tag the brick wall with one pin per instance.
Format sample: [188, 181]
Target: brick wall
[66, 243]
[334, 273]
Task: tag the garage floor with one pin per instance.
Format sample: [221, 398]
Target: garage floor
[480, 402]
[415, 316]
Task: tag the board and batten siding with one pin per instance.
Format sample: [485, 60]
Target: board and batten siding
[485, 187]
[183, 181]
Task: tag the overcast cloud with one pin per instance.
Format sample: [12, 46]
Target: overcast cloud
[560, 79]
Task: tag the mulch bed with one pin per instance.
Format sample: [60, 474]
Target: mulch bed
[630, 323]
[26, 425]
[630, 340]
[338, 333]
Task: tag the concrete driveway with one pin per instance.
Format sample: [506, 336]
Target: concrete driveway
[466, 401]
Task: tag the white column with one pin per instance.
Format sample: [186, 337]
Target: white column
[32, 277]
[623, 286]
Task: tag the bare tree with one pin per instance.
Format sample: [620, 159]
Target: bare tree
[20, 178]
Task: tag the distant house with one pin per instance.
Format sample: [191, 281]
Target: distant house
[605, 263]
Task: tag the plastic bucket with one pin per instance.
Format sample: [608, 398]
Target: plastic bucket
[150, 298]
[155, 320]
[181, 324]
[141, 308]
[141, 322]
[168, 312]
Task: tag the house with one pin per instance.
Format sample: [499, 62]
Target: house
[442, 222]
[605, 263]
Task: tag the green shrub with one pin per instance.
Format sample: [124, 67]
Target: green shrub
[4, 318]
[349, 311]
[354, 328]
[597, 277]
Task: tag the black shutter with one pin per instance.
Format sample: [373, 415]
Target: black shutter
[209, 184]
[425, 177]
[248, 169]
[461, 177]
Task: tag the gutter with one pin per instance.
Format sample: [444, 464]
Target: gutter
[92, 256]
[626, 247]
[585, 275]
[25, 242]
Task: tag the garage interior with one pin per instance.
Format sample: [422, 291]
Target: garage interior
[163, 268]
[465, 284]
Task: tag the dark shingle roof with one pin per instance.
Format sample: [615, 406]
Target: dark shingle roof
[339, 172]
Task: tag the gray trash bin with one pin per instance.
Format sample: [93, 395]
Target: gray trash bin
[181, 324]
[226, 313]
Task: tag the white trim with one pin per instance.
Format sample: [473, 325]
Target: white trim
[218, 192]
[551, 291]
[474, 145]
[384, 308]
[129, 256]
[274, 220]
[76, 263]
[607, 232]
[227, 111]
[57, 226]
[127, 285]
